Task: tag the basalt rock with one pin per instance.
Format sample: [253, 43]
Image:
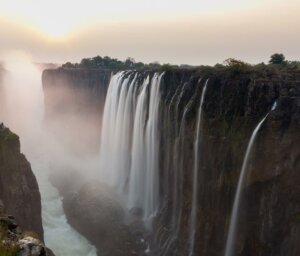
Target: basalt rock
[14, 242]
[234, 104]
[19, 190]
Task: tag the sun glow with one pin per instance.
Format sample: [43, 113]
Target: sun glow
[59, 18]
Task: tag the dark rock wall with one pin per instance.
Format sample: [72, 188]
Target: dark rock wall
[233, 106]
[19, 190]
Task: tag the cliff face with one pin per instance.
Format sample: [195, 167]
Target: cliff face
[74, 101]
[15, 242]
[233, 105]
[19, 190]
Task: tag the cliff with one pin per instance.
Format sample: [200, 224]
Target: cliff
[74, 101]
[15, 242]
[233, 105]
[19, 190]
[20, 201]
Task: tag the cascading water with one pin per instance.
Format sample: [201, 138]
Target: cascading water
[195, 174]
[116, 130]
[177, 189]
[130, 135]
[229, 250]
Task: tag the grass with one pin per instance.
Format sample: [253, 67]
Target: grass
[8, 249]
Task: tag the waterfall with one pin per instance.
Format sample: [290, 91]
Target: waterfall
[229, 250]
[195, 175]
[129, 147]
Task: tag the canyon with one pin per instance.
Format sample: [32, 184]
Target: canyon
[234, 104]
[155, 157]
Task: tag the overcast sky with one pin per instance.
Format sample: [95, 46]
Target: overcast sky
[181, 32]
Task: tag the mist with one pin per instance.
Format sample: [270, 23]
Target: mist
[22, 110]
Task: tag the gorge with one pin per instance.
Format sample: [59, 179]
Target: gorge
[234, 104]
[148, 162]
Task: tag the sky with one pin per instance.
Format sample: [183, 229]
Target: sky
[193, 32]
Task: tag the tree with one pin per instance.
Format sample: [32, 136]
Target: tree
[277, 59]
[231, 62]
[68, 65]
[236, 66]
[129, 62]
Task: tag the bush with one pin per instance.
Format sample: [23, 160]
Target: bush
[7, 249]
[236, 66]
[277, 59]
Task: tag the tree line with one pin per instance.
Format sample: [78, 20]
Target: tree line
[277, 60]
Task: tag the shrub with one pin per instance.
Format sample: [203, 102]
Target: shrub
[277, 59]
[236, 66]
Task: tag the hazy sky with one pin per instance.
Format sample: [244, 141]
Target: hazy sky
[177, 31]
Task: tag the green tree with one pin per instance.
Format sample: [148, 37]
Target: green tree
[277, 59]
[129, 62]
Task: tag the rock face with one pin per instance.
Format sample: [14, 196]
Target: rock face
[19, 190]
[234, 104]
[74, 101]
[96, 211]
[14, 242]
[20, 197]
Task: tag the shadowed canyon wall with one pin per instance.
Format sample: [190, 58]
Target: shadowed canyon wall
[19, 190]
[233, 105]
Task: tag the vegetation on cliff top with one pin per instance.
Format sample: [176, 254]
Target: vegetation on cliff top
[7, 248]
[106, 62]
[277, 64]
[7, 136]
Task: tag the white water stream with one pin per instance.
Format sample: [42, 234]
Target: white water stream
[195, 174]
[229, 250]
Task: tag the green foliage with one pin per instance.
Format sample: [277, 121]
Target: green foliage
[106, 62]
[3, 230]
[30, 234]
[236, 66]
[7, 249]
[218, 65]
[277, 59]
[277, 63]
[7, 136]
[293, 64]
